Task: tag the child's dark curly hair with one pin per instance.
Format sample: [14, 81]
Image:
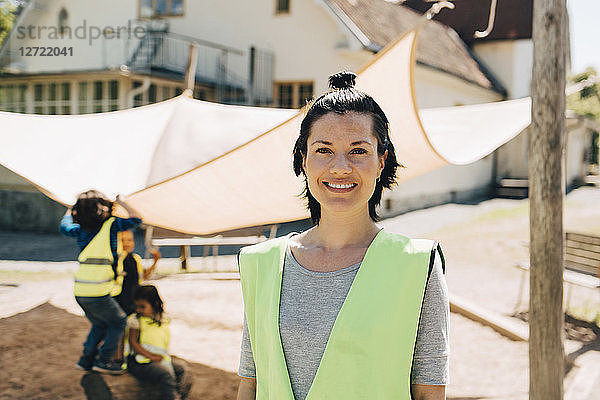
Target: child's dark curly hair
[150, 294]
[90, 210]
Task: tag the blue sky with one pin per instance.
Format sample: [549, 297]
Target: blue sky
[585, 34]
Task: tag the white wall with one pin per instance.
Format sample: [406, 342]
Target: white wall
[522, 67]
[511, 61]
[86, 19]
[578, 143]
[437, 89]
[450, 183]
[308, 43]
[513, 156]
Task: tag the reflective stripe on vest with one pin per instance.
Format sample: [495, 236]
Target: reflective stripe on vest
[95, 275]
[154, 338]
[370, 348]
[118, 284]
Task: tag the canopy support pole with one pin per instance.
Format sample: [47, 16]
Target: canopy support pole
[546, 192]
[190, 72]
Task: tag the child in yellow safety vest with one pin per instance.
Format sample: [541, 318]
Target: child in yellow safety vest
[129, 272]
[149, 336]
[129, 275]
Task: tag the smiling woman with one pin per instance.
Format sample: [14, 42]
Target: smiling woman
[365, 120]
[344, 309]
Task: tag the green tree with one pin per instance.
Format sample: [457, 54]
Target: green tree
[7, 18]
[587, 102]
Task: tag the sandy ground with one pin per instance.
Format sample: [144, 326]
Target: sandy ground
[481, 242]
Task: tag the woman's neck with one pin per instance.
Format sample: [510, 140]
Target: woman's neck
[341, 231]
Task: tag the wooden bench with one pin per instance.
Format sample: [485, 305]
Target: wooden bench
[211, 244]
[581, 262]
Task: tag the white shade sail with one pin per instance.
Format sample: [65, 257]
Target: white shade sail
[124, 151]
[201, 168]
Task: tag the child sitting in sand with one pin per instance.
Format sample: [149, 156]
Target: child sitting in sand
[149, 337]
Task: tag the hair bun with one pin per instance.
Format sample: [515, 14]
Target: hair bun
[342, 80]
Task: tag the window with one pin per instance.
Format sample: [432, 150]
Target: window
[84, 107]
[63, 22]
[282, 7]
[200, 93]
[293, 94]
[305, 93]
[138, 99]
[160, 8]
[7, 98]
[38, 99]
[12, 98]
[98, 95]
[65, 98]
[177, 7]
[20, 103]
[146, 9]
[113, 95]
[166, 92]
[285, 95]
[152, 94]
[51, 98]
[3, 101]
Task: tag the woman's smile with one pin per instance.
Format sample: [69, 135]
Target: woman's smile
[340, 187]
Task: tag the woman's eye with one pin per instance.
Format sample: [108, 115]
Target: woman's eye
[358, 151]
[323, 150]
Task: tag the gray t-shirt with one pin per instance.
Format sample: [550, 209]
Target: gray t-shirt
[306, 318]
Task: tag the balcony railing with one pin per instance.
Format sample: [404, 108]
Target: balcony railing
[237, 76]
[246, 73]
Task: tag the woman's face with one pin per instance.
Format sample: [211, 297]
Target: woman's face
[341, 162]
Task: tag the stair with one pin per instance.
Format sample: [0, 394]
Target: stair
[510, 188]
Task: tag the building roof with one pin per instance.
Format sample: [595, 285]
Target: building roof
[514, 18]
[379, 22]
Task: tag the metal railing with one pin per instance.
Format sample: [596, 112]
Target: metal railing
[233, 74]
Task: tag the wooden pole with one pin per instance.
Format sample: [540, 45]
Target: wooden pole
[190, 71]
[546, 191]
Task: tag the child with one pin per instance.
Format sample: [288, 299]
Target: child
[91, 222]
[149, 337]
[130, 272]
[129, 275]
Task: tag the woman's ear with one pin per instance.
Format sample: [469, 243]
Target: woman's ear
[382, 162]
[303, 163]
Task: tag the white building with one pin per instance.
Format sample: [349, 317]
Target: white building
[113, 55]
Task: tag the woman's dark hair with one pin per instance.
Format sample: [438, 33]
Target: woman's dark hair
[150, 294]
[343, 98]
[89, 210]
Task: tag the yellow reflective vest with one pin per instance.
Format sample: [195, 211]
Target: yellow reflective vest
[95, 275]
[118, 283]
[370, 349]
[154, 338]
